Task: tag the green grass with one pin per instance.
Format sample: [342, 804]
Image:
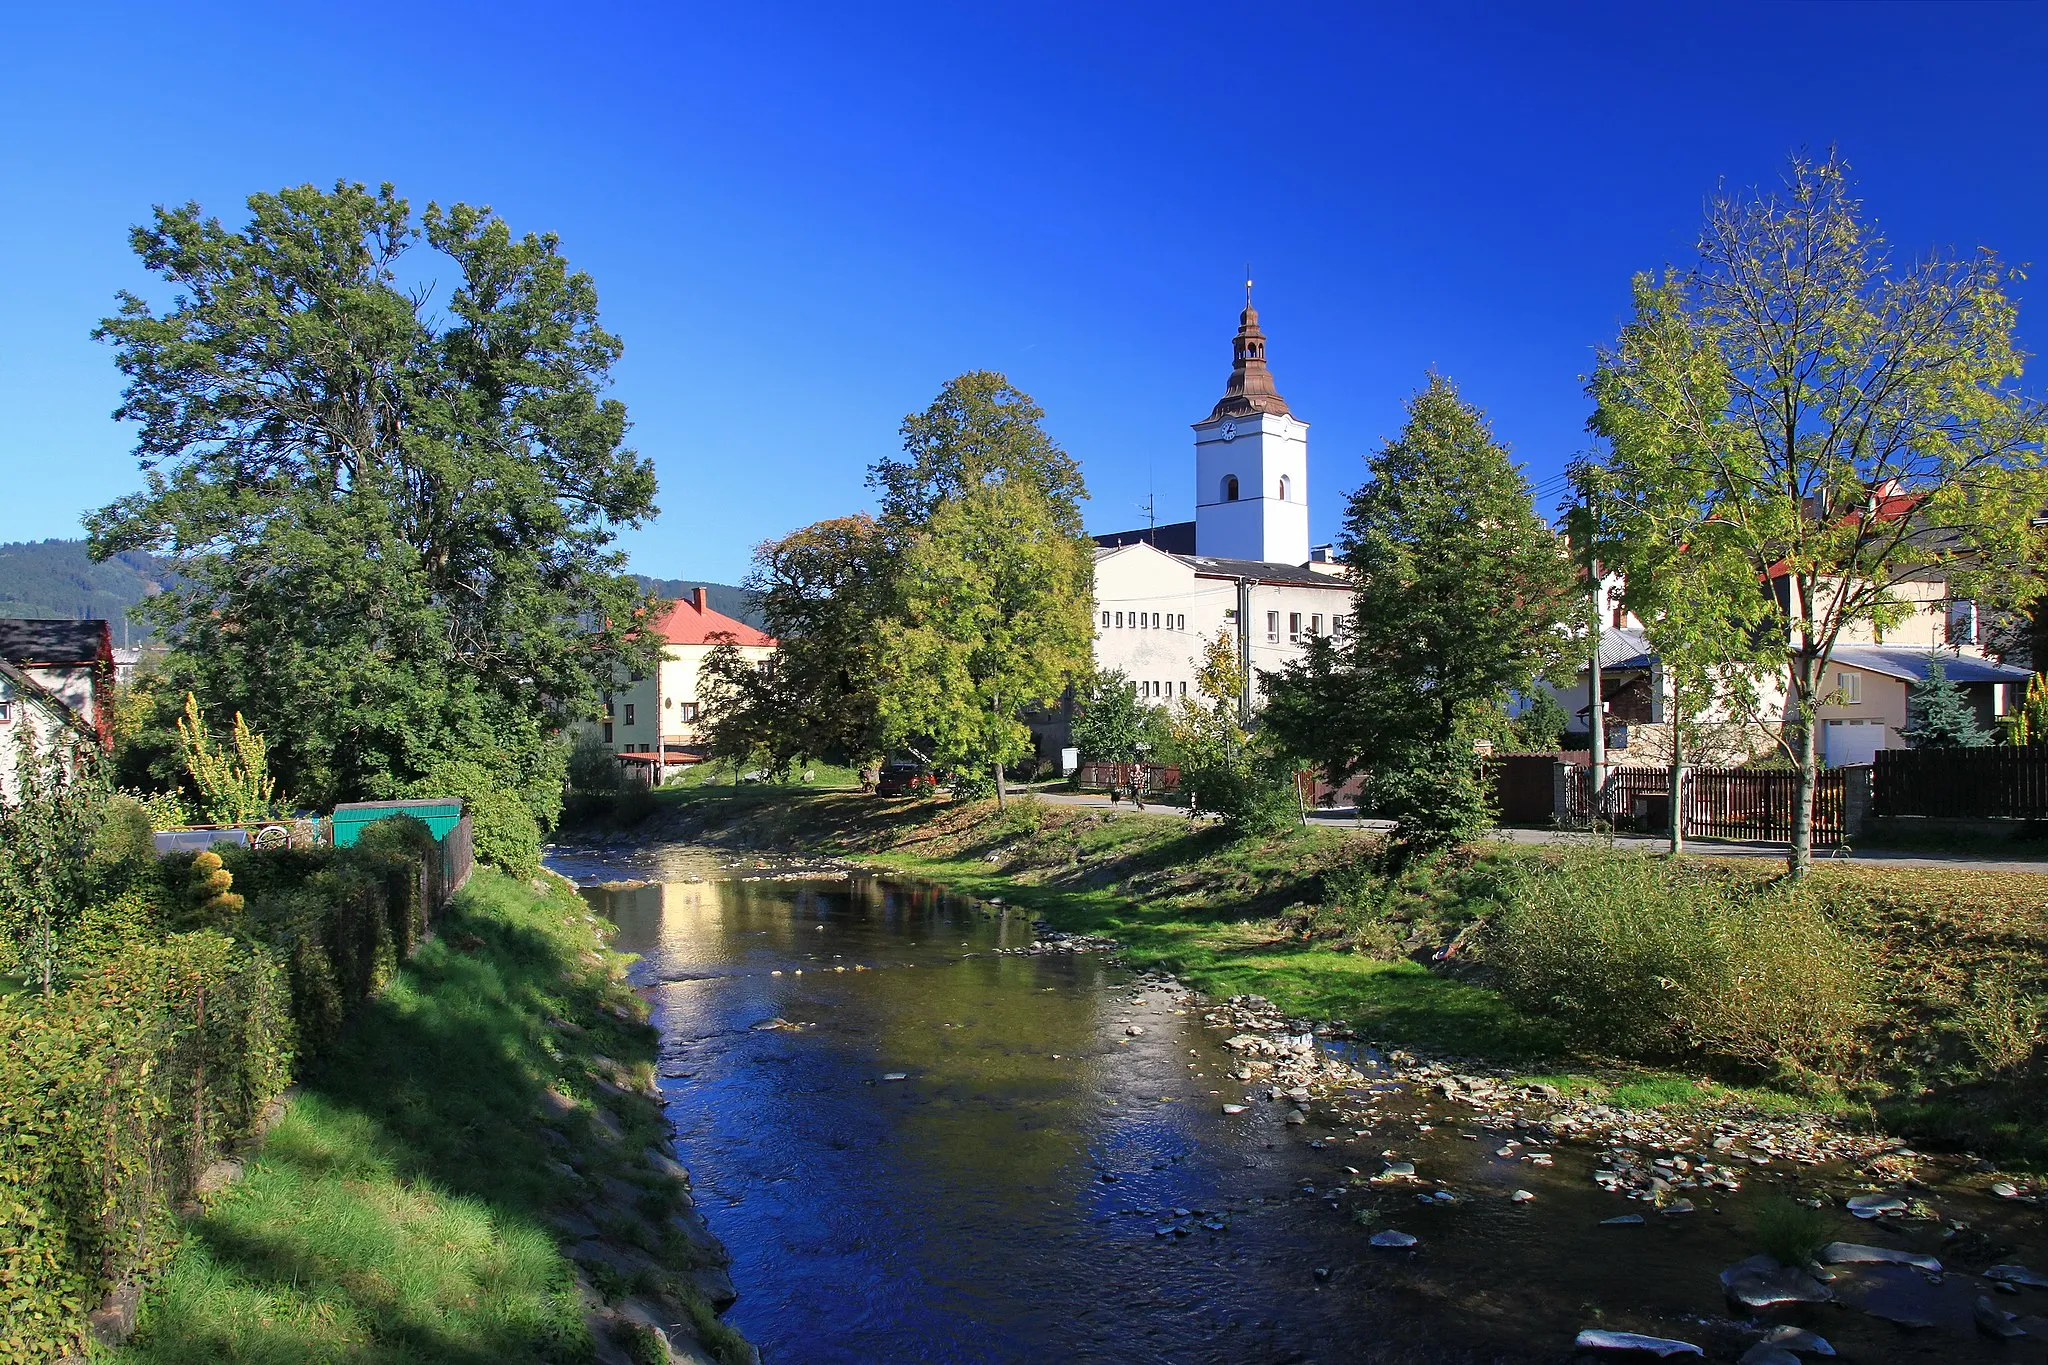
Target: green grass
[398, 1211]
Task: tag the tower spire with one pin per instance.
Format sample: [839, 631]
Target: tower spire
[1250, 388]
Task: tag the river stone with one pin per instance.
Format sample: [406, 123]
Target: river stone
[895, 1075]
[1764, 1353]
[1233, 1109]
[1799, 1340]
[2017, 1274]
[1876, 1205]
[1397, 1169]
[1396, 1240]
[1594, 1339]
[2005, 1189]
[1134, 1031]
[1755, 1287]
[1855, 1253]
[1993, 1321]
[1297, 1117]
[1626, 1220]
[1521, 1196]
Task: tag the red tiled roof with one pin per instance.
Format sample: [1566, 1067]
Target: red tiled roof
[691, 621]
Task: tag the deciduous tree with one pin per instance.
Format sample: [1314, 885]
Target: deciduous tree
[388, 512]
[1845, 420]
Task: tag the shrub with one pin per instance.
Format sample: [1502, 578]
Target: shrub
[506, 833]
[1642, 958]
[2000, 1020]
[114, 1093]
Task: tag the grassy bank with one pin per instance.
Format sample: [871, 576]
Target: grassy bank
[1926, 984]
[422, 1197]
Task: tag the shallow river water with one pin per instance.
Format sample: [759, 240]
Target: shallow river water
[1053, 1177]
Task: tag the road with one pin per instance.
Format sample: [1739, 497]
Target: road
[1876, 857]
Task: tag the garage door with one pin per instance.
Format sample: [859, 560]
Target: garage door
[1853, 741]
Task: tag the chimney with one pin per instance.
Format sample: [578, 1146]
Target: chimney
[701, 599]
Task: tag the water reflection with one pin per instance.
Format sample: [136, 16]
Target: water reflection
[1002, 1201]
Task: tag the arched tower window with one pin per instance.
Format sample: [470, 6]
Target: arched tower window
[1284, 487]
[1230, 488]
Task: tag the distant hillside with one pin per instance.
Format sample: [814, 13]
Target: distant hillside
[56, 579]
[737, 603]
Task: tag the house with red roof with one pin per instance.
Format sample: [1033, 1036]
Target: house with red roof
[652, 722]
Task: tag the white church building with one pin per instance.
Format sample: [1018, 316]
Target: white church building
[1243, 566]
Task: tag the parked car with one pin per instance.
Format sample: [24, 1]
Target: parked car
[904, 777]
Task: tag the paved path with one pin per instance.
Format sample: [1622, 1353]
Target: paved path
[1875, 857]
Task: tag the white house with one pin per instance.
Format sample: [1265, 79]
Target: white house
[1243, 567]
[56, 683]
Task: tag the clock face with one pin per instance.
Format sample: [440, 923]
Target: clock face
[1229, 430]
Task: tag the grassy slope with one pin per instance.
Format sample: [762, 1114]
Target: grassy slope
[398, 1211]
[1261, 917]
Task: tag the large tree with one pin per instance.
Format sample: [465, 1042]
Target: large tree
[388, 511]
[1847, 422]
[1458, 592]
[823, 589]
[992, 619]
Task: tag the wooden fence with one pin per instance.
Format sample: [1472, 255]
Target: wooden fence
[1157, 777]
[1962, 784]
[1720, 803]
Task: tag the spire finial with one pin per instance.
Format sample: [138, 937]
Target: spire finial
[1247, 284]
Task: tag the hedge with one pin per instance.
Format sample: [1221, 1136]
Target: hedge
[118, 1090]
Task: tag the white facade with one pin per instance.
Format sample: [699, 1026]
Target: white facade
[1251, 488]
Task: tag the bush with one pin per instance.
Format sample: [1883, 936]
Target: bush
[1791, 1231]
[592, 767]
[1251, 794]
[1642, 958]
[506, 833]
[114, 1093]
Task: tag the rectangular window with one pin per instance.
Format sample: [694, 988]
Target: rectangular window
[1273, 627]
[1315, 624]
[1336, 625]
[1294, 626]
[1850, 685]
[1180, 623]
[688, 710]
[1119, 620]
[1155, 620]
[629, 713]
[1105, 620]
[1183, 689]
[608, 706]
[1230, 615]
[607, 732]
[765, 666]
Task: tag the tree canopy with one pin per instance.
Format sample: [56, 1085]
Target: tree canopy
[1841, 422]
[389, 514]
[1459, 590]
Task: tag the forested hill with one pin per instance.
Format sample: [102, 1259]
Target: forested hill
[55, 578]
[737, 603]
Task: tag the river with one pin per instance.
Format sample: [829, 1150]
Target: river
[1054, 1177]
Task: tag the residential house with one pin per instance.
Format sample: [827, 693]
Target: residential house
[56, 680]
[652, 721]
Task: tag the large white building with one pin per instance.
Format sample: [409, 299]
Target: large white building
[1242, 567]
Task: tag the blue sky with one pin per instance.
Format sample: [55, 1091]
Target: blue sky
[803, 220]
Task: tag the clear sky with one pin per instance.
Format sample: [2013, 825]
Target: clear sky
[803, 219]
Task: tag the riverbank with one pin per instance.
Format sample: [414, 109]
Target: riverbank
[477, 1172]
[1954, 958]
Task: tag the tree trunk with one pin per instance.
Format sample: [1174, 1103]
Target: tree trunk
[1596, 722]
[1805, 760]
[1677, 787]
[1002, 792]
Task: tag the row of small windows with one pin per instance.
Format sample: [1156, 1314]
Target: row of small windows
[1230, 487]
[1295, 631]
[1143, 620]
[1159, 689]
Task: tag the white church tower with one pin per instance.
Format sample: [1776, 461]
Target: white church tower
[1251, 462]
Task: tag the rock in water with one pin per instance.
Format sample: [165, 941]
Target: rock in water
[2017, 1274]
[1626, 1220]
[1855, 1253]
[1397, 1240]
[1756, 1288]
[1764, 1353]
[895, 1075]
[1993, 1321]
[1798, 1339]
[1238, 1108]
[1876, 1205]
[1396, 1169]
[1593, 1339]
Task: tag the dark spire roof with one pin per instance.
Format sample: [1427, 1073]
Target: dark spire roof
[1250, 388]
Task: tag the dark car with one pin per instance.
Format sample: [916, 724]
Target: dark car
[904, 777]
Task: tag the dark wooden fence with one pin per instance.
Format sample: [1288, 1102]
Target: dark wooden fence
[1157, 777]
[1720, 803]
[1962, 784]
